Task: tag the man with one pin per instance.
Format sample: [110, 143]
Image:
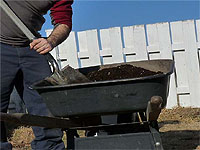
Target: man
[18, 54]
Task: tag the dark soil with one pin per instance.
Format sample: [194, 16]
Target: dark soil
[120, 72]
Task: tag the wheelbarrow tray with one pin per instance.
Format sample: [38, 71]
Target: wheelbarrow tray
[108, 97]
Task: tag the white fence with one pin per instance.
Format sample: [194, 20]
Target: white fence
[179, 41]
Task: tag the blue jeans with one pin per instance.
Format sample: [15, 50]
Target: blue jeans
[34, 67]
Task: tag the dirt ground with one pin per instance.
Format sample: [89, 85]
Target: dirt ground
[179, 129]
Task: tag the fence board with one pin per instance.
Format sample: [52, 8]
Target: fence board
[182, 78]
[128, 43]
[153, 41]
[193, 63]
[166, 53]
[161, 41]
[135, 43]
[111, 42]
[181, 75]
[164, 41]
[82, 38]
[152, 37]
[68, 52]
[88, 48]
[93, 47]
[116, 45]
[106, 52]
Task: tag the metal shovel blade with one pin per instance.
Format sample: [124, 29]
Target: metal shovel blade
[67, 75]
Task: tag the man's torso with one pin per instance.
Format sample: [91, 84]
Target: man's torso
[30, 12]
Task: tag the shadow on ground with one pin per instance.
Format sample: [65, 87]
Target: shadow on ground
[183, 140]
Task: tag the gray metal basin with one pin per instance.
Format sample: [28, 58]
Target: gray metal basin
[108, 97]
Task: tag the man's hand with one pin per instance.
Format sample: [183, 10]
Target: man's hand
[41, 45]
[59, 34]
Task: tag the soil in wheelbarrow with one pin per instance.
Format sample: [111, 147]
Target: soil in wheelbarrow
[120, 72]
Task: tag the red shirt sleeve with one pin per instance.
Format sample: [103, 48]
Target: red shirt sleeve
[61, 12]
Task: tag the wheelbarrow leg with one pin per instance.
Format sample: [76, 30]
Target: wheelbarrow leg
[153, 110]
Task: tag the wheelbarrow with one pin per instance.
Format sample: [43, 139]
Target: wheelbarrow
[84, 106]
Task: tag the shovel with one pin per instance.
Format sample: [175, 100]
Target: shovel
[67, 75]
